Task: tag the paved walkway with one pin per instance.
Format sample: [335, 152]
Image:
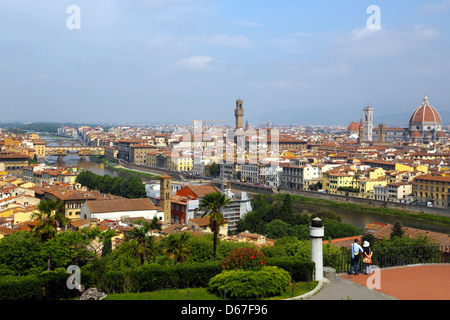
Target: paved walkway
[420, 282]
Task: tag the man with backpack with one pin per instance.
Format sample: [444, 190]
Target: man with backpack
[356, 250]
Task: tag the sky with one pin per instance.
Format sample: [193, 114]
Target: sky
[175, 61]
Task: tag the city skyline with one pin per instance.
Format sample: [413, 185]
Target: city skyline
[291, 62]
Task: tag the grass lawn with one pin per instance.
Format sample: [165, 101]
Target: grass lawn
[203, 294]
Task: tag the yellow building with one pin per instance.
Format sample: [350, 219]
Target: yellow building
[377, 173]
[434, 189]
[402, 167]
[202, 224]
[24, 215]
[177, 162]
[67, 177]
[33, 137]
[151, 158]
[39, 147]
[366, 186]
[138, 153]
[332, 181]
[12, 142]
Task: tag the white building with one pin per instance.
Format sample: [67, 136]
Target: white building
[119, 209]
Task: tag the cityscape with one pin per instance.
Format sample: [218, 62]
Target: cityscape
[175, 185]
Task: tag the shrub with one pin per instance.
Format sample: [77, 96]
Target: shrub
[244, 258]
[299, 269]
[21, 288]
[196, 275]
[155, 277]
[45, 286]
[248, 284]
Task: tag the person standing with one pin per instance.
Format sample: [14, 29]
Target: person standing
[356, 257]
[367, 258]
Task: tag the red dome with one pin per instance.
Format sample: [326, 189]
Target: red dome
[440, 134]
[416, 134]
[425, 113]
[354, 126]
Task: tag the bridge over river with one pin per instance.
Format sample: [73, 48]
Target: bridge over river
[62, 150]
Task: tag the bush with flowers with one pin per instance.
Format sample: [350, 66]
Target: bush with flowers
[245, 275]
[249, 284]
[245, 259]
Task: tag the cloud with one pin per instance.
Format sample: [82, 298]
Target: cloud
[384, 42]
[196, 62]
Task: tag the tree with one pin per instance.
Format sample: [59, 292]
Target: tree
[105, 184]
[155, 225]
[143, 244]
[327, 215]
[132, 187]
[397, 230]
[129, 187]
[50, 217]
[282, 211]
[212, 205]
[277, 229]
[335, 229]
[107, 243]
[176, 246]
[69, 248]
[214, 170]
[21, 254]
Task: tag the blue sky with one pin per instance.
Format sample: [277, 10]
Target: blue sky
[173, 61]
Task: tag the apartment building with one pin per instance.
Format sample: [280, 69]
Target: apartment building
[431, 188]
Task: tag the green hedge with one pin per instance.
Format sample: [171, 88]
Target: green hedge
[156, 277]
[46, 286]
[299, 269]
[52, 286]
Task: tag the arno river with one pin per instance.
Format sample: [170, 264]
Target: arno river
[355, 218]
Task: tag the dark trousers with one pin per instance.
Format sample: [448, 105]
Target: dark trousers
[354, 265]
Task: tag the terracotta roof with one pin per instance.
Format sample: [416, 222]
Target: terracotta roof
[354, 126]
[201, 191]
[425, 113]
[201, 222]
[6, 231]
[247, 234]
[343, 242]
[79, 222]
[119, 205]
[432, 178]
[384, 231]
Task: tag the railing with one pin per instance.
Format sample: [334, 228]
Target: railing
[384, 258]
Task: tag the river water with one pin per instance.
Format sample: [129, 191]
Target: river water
[356, 218]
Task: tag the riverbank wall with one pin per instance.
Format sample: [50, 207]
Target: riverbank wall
[345, 199]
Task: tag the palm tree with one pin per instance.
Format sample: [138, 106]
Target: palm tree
[50, 217]
[176, 246]
[143, 244]
[212, 205]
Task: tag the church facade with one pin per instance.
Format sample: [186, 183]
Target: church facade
[425, 126]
